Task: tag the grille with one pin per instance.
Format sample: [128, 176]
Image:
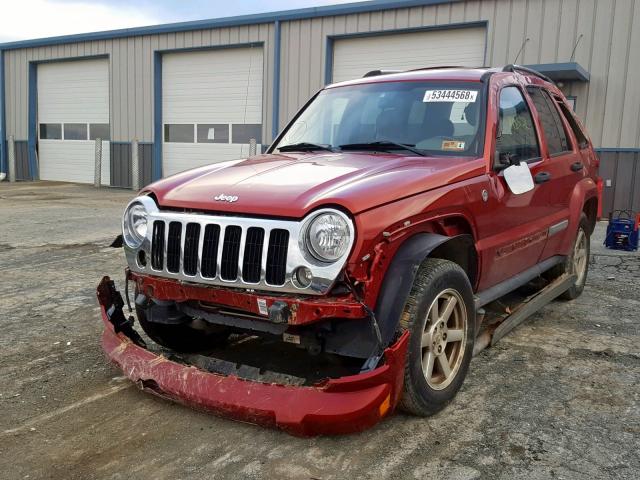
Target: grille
[191, 242]
[209, 265]
[213, 251]
[230, 253]
[173, 247]
[157, 253]
[252, 263]
[277, 257]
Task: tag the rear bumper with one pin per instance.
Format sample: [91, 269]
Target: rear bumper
[337, 406]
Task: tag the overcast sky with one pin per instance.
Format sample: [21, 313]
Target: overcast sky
[24, 19]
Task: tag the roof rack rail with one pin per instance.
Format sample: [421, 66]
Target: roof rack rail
[442, 67]
[520, 68]
[375, 73]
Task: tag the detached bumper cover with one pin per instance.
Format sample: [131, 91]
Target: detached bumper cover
[337, 406]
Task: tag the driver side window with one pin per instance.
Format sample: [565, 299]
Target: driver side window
[516, 140]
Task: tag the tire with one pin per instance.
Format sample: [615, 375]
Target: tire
[183, 337]
[437, 283]
[577, 262]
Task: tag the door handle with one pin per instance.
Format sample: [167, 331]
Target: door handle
[542, 177]
[576, 167]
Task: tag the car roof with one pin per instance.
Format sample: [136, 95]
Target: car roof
[441, 73]
[432, 73]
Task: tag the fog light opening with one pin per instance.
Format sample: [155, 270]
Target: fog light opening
[302, 277]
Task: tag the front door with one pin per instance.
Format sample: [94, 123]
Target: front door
[515, 226]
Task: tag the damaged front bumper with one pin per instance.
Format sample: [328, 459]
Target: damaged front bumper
[335, 406]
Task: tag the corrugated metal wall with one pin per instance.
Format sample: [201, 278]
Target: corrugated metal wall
[608, 48]
[131, 75]
[620, 172]
[608, 31]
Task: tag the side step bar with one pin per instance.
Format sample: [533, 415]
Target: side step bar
[493, 333]
[501, 289]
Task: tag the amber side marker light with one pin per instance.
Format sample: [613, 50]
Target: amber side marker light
[384, 406]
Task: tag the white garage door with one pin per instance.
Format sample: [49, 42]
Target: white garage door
[211, 106]
[354, 57]
[73, 110]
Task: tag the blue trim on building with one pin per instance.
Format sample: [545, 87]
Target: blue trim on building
[270, 17]
[275, 119]
[617, 150]
[328, 61]
[33, 120]
[74, 58]
[563, 71]
[3, 156]
[156, 171]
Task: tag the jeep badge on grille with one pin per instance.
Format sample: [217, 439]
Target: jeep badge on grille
[226, 198]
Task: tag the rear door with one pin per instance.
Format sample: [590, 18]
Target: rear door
[557, 175]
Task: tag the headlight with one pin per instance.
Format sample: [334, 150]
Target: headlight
[134, 224]
[328, 237]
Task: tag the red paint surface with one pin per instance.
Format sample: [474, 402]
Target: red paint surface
[405, 195]
[292, 184]
[304, 309]
[337, 406]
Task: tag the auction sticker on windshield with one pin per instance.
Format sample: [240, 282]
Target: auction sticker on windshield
[450, 96]
[452, 145]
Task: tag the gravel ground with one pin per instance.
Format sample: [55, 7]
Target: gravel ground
[557, 398]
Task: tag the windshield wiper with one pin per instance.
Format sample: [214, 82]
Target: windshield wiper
[304, 147]
[382, 145]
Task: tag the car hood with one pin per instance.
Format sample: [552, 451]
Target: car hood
[290, 185]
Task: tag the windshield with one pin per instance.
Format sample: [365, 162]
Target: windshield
[433, 118]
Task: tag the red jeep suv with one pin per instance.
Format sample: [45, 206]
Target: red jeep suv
[344, 272]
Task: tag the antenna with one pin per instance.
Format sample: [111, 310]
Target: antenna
[246, 98]
[575, 46]
[521, 49]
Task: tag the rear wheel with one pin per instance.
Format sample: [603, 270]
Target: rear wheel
[440, 317]
[577, 263]
[183, 337]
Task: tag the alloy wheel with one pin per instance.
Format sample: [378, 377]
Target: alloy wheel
[580, 260]
[444, 339]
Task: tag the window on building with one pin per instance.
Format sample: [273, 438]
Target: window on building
[50, 131]
[516, 138]
[178, 133]
[99, 130]
[75, 131]
[550, 120]
[581, 138]
[213, 133]
[243, 133]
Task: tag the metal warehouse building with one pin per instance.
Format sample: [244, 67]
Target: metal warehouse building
[198, 92]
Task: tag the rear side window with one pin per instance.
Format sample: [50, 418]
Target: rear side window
[577, 131]
[550, 120]
[517, 138]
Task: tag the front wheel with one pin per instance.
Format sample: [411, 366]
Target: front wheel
[440, 317]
